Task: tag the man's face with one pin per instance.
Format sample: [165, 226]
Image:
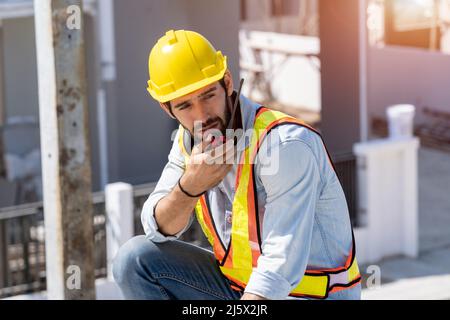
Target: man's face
[203, 111]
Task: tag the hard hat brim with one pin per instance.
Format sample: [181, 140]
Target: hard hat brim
[191, 88]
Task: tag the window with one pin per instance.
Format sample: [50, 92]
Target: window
[414, 23]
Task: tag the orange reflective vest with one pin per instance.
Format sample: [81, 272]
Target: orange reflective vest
[238, 259]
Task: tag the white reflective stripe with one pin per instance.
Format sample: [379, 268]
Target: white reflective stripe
[339, 278]
[254, 245]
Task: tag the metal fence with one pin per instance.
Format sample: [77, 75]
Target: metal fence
[22, 242]
[22, 247]
[22, 263]
[345, 165]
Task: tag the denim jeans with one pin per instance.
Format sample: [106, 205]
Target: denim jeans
[176, 270]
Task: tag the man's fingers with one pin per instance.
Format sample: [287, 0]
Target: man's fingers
[224, 152]
[203, 146]
[231, 153]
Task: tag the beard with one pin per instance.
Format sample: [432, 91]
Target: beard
[214, 125]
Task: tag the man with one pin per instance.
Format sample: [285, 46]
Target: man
[272, 207]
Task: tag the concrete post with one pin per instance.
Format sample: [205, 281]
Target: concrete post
[2, 108]
[388, 197]
[65, 149]
[340, 57]
[120, 219]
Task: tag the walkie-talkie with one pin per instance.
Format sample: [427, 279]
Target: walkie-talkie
[222, 139]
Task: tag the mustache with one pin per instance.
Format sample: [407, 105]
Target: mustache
[208, 123]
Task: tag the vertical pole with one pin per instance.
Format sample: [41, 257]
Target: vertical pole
[434, 27]
[363, 51]
[340, 73]
[105, 33]
[4, 266]
[3, 238]
[65, 149]
[2, 108]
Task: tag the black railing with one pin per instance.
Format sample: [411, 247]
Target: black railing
[22, 242]
[345, 165]
[22, 247]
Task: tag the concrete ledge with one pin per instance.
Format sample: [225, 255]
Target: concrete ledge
[105, 290]
[423, 288]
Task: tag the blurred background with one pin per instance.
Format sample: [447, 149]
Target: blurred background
[373, 76]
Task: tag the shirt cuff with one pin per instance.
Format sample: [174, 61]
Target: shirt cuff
[268, 284]
[152, 231]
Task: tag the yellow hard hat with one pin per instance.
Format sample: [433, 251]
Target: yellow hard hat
[181, 62]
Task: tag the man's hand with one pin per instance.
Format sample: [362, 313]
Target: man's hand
[251, 296]
[172, 212]
[207, 166]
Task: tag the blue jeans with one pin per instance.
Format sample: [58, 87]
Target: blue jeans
[173, 270]
[176, 270]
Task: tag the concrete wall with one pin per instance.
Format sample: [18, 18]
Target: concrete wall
[298, 17]
[21, 97]
[257, 10]
[21, 87]
[139, 131]
[407, 75]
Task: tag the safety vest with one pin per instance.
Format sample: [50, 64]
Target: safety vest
[240, 257]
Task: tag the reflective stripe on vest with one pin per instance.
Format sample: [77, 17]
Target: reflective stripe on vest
[237, 260]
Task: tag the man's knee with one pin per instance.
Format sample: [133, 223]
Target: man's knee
[130, 256]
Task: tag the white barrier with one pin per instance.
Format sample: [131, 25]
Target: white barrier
[388, 199]
[120, 221]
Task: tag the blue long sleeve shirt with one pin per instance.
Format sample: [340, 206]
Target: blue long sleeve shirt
[303, 214]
